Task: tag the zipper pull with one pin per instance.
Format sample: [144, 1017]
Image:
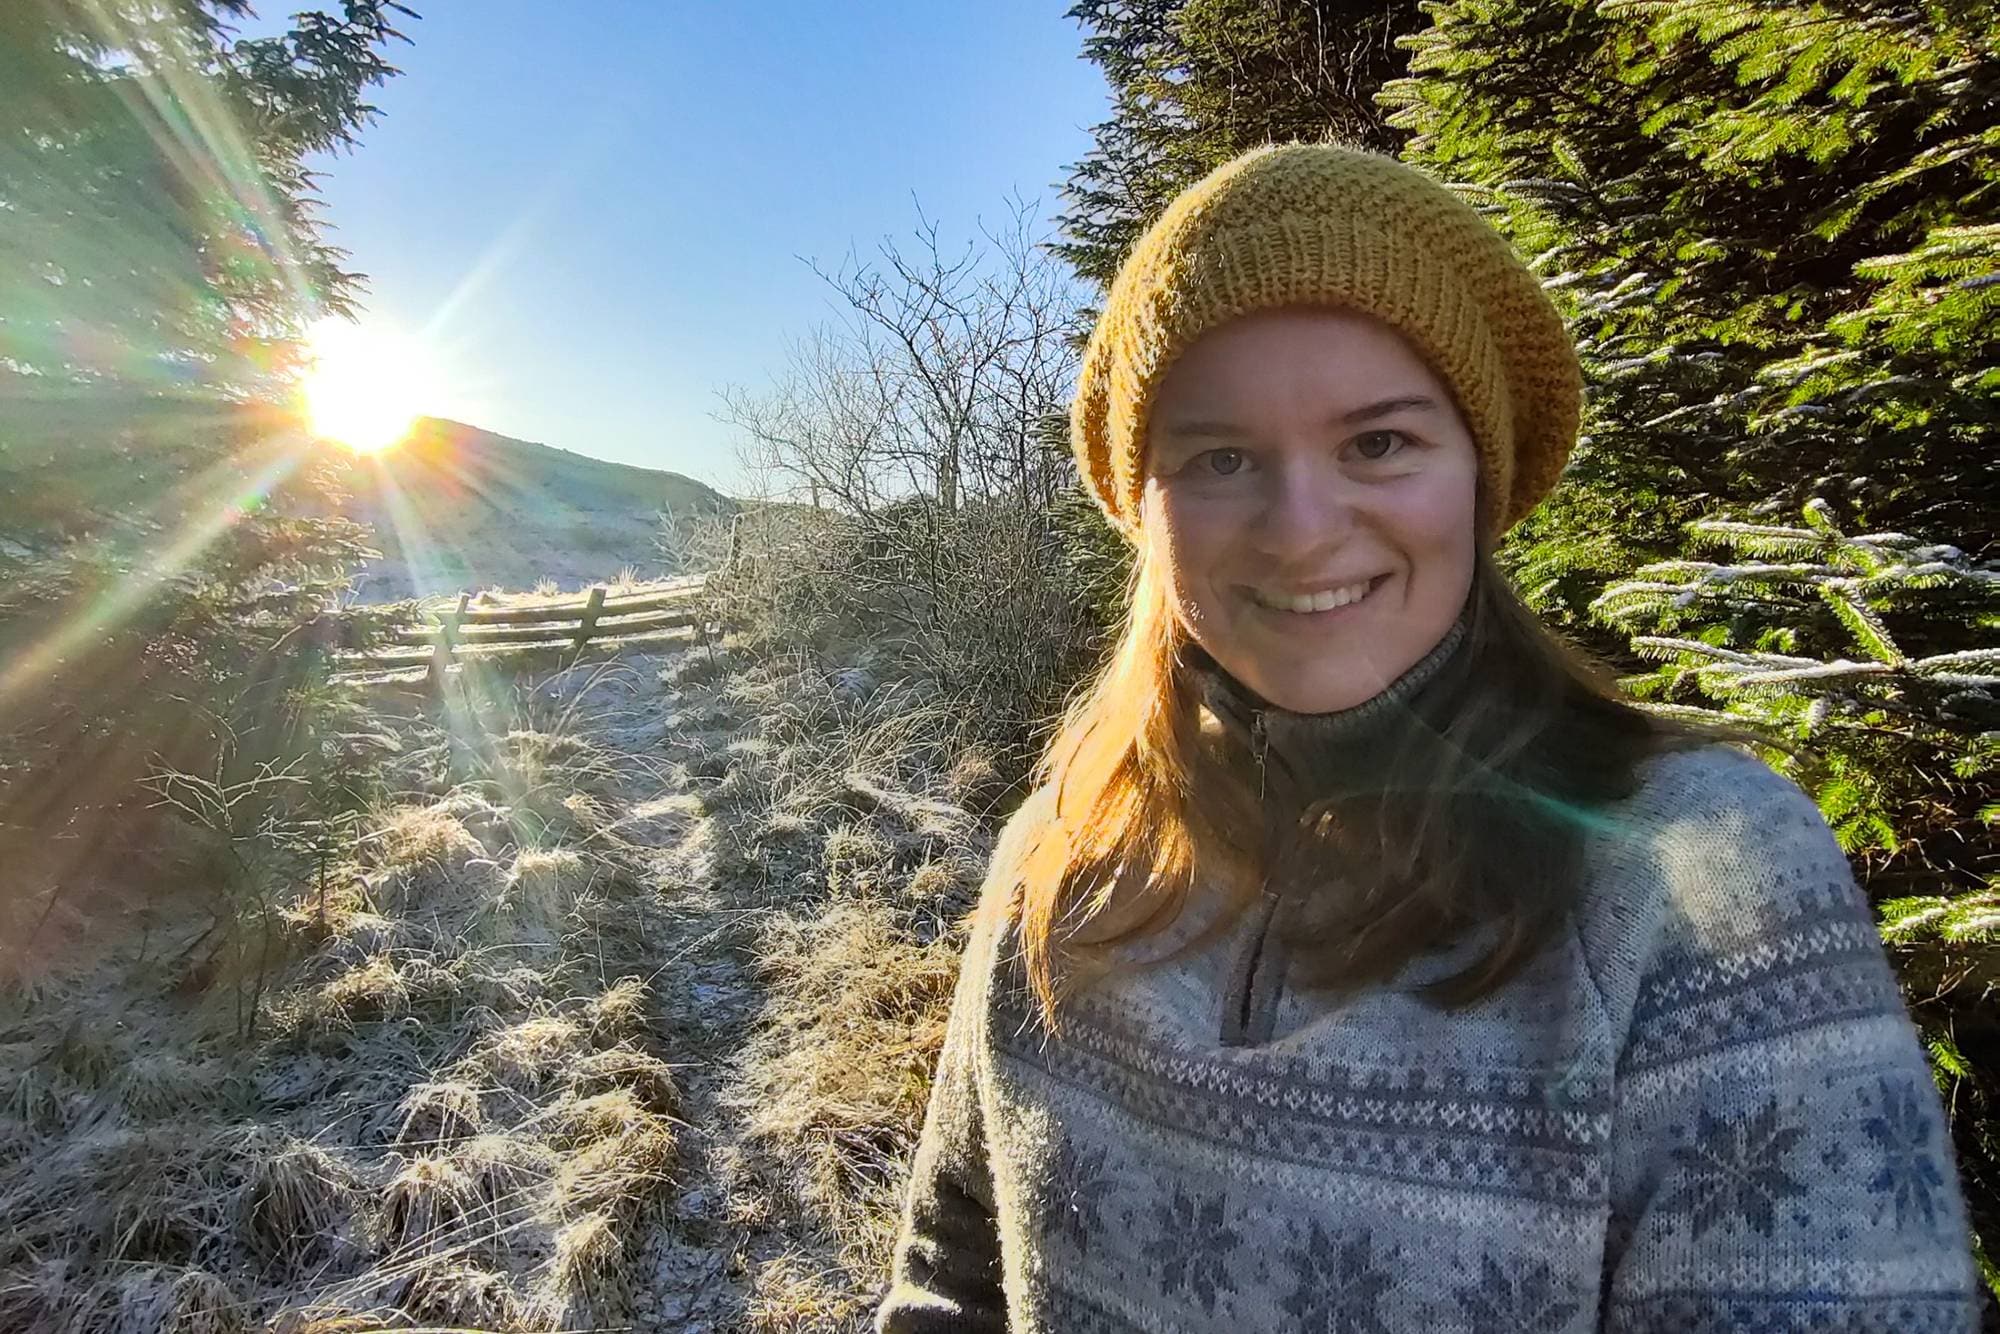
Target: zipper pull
[1258, 739]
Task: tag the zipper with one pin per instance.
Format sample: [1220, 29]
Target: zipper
[1248, 1012]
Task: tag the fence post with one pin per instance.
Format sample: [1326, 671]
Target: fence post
[447, 635]
[589, 625]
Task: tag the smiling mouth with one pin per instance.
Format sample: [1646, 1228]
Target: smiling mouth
[1319, 604]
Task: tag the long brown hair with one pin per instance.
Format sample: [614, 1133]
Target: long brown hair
[1515, 743]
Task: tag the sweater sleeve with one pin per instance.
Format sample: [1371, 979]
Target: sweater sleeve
[1780, 1158]
[947, 1268]
[946, 1272]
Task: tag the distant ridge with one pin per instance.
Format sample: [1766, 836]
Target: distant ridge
[454, 507]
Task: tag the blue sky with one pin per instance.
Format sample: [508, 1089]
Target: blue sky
[594, 213]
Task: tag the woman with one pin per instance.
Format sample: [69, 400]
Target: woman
[1362, 961]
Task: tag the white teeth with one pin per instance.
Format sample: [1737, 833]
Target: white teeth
[1325, 600]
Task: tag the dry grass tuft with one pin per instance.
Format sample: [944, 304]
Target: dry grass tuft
[660, 822]
[505, 1170]
[949, 881]
[586, 1283]
[523, 1056]
[362, 934]
[834, 1087]
[38, 1098]
[577, 1122]
[739, 787]
[708, 855]
[169, 1300]
[704, 756]
[491, 824]
[360, 1170]
[427, 1205]
[544, 750]
[310, 918]
[461, 1297]
[787, 828]
[974, 782]
[508, 991]
[696, 667]
[620, 1173]
[299, 1207]
[38, 1294]
[428, 836]
[104, 1198]
[437, 1114]
[89, 1057]
[856, 858]
[540, 893]
[431, 864]
[619, 1011]
[554, 875]
[386, 986]
[375, 990]
[162, 1083]
[650, 1079]
[791, 1295]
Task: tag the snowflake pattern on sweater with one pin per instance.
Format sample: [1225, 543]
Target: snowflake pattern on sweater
[1705, 1109]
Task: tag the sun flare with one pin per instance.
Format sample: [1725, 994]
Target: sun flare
[364, 388]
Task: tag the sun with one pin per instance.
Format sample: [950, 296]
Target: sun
[363, 387]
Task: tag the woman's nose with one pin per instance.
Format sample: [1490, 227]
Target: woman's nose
[1307, 507]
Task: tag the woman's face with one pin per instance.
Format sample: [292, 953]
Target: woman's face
[1311, 489]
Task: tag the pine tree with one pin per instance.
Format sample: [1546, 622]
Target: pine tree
[1875, 655]
[1195, 82]
[168, 535]
[1768, 227]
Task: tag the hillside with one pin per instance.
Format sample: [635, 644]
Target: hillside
[455, 506]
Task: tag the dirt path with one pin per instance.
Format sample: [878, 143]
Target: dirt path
[709, 895]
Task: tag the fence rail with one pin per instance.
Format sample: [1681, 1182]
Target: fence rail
[468, 633]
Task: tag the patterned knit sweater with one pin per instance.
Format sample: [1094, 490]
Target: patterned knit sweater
[1705, 1110]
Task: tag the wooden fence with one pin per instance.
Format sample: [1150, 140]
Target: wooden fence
[567, 629]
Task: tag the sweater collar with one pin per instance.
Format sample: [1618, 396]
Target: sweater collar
[1298, 748]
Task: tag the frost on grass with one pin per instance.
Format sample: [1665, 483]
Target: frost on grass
[837, 1079]
[453, 1114]
[462, 1109]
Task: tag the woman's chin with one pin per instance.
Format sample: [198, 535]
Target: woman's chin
[1315, 695]
[1331, 702]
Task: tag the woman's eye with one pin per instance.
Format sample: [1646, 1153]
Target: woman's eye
[1221, 462]
[1384, 438]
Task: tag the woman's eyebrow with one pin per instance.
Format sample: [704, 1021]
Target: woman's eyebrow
[1352, 417]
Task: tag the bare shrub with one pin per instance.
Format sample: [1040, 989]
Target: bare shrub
[913, 467]
[694, 541]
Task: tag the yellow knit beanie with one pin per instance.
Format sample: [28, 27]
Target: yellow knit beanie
[1322, 224]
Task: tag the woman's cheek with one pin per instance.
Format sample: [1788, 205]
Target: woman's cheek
[1439, 517]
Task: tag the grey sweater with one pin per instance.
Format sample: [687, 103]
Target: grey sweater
[1705, 1110]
